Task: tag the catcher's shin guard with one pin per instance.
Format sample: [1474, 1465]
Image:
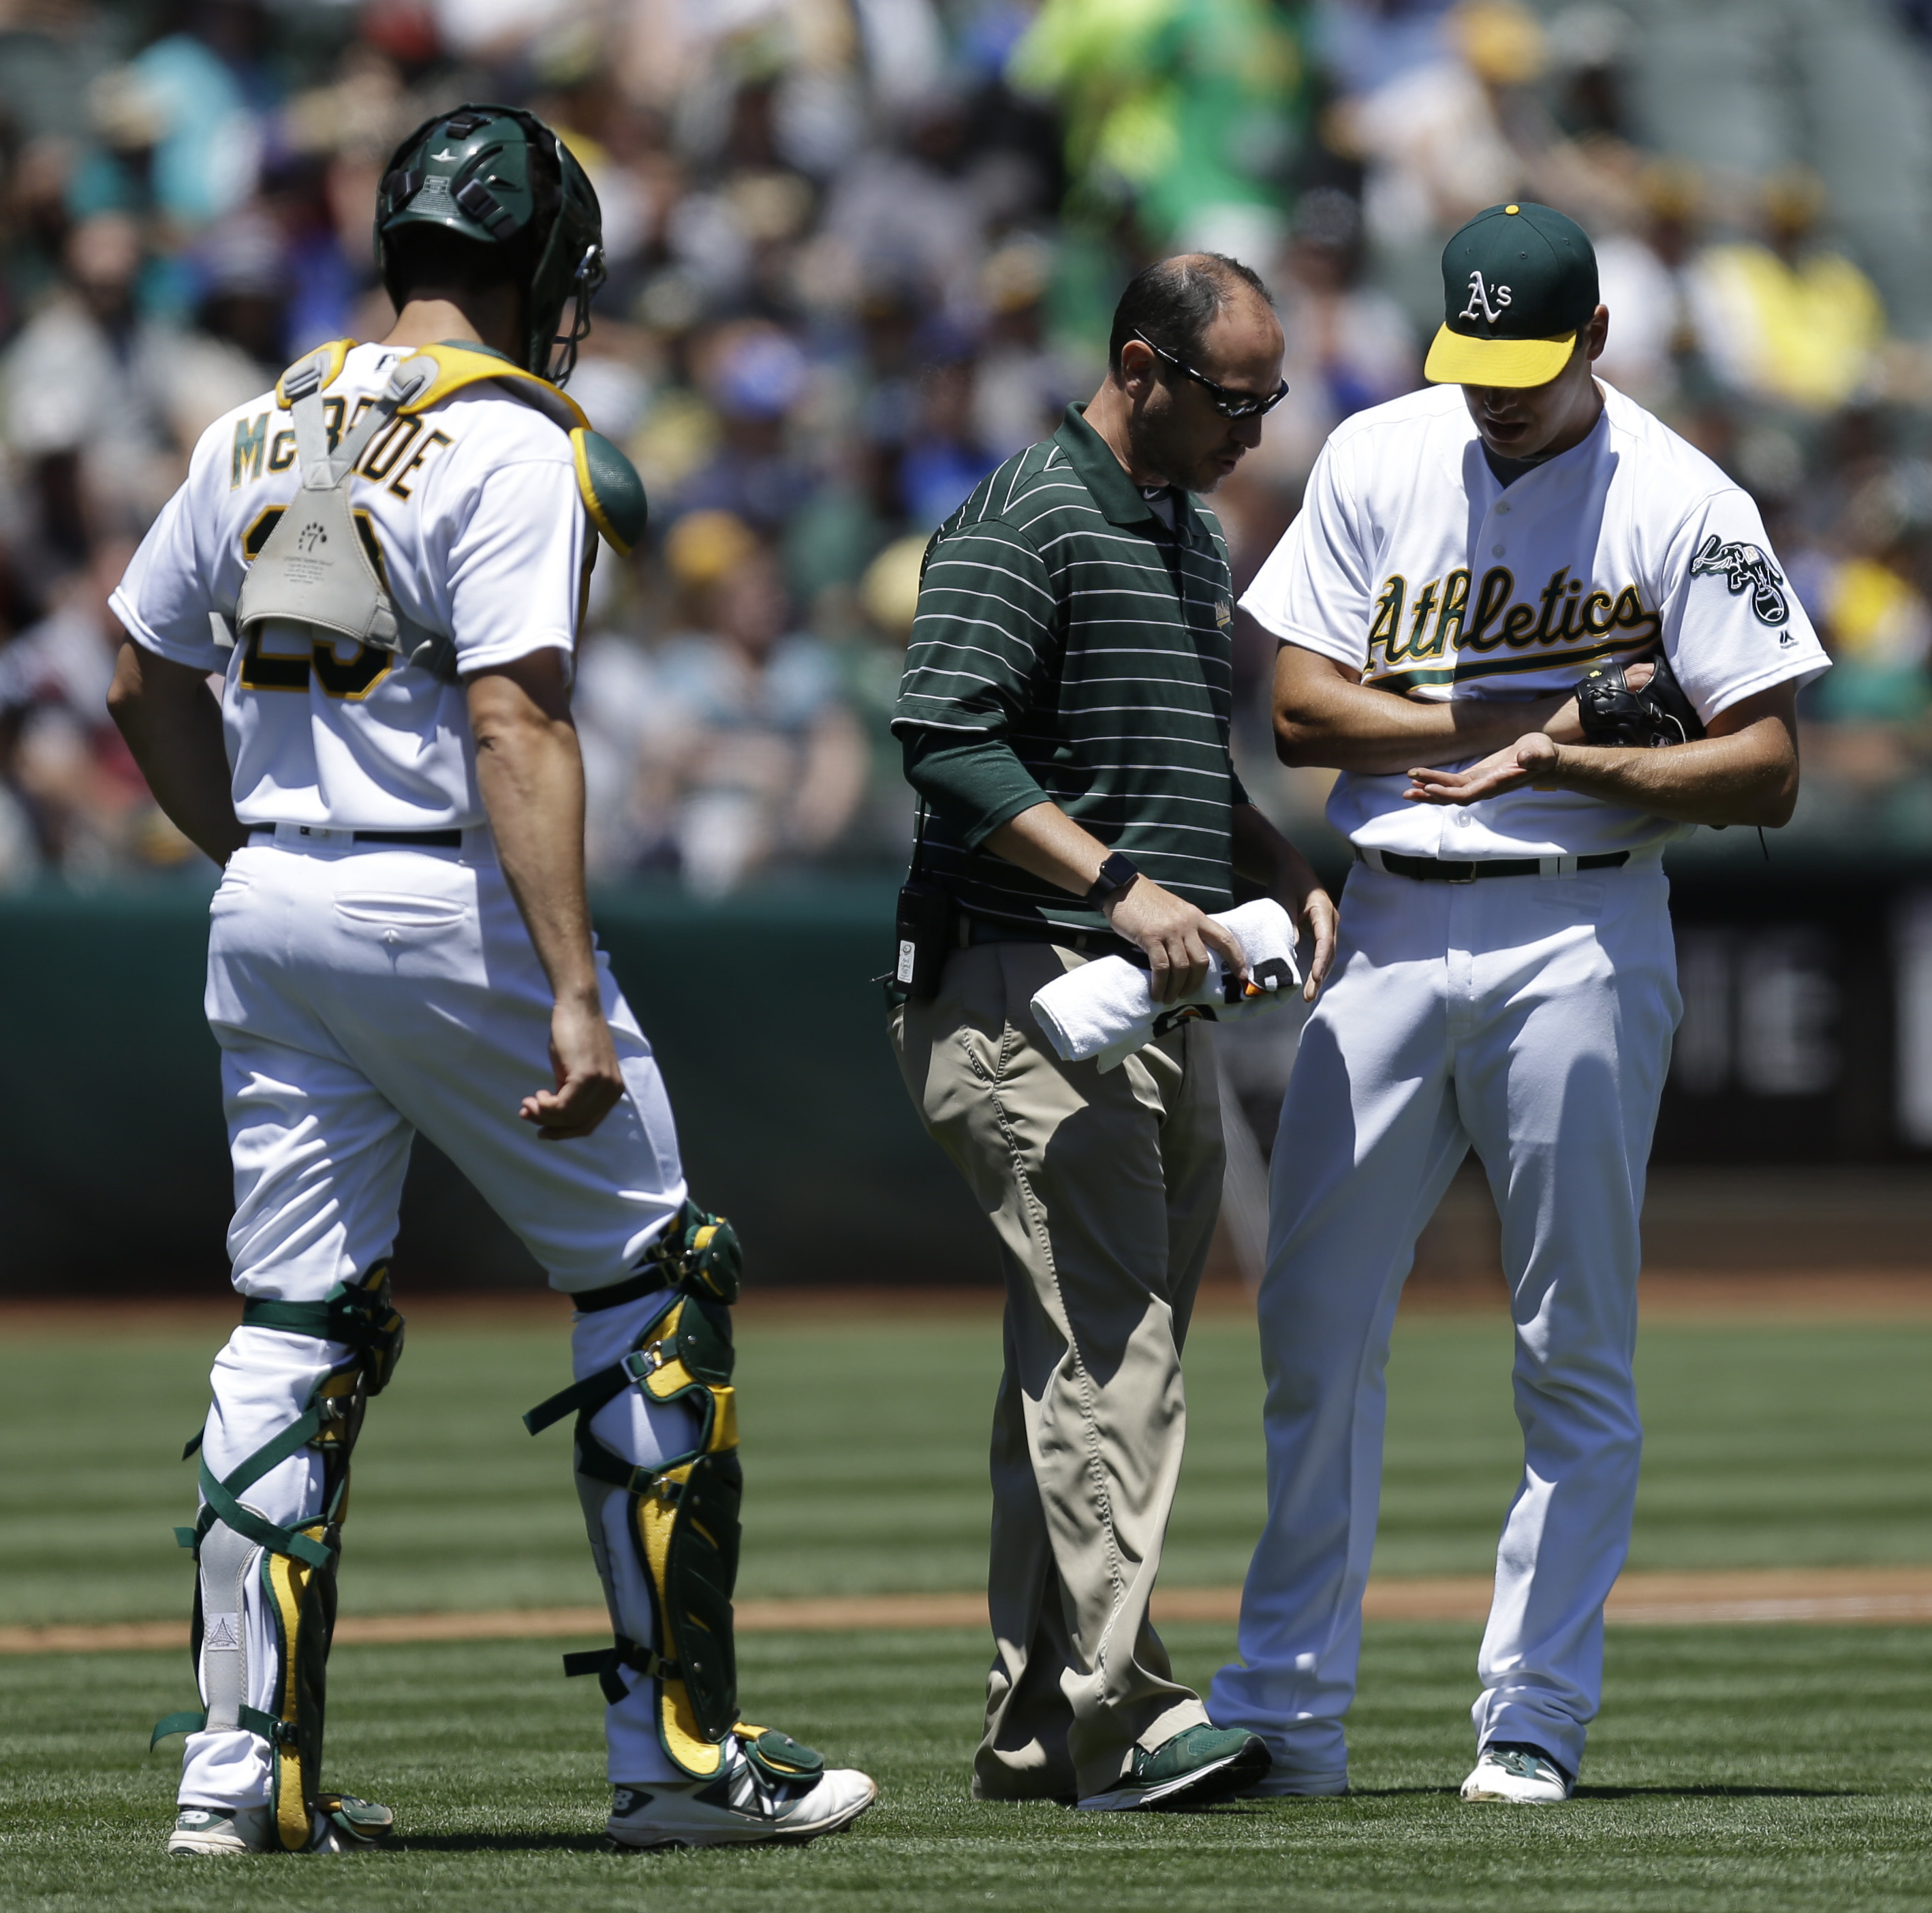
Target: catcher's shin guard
[292, 1567]
[683, 1512]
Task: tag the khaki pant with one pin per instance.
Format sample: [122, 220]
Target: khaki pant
[1103, 1191]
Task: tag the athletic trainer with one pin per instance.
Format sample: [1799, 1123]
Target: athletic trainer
[1064, 715]
[384, 559]
[1497, 603]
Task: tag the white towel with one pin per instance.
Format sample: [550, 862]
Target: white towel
[1105, 1009]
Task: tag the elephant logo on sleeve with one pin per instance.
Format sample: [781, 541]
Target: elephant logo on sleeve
[1745, 569]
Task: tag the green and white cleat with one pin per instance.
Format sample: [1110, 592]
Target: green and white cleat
[222, 1829]
[752, 1802]
[1521, 1775]
[1198, 1768]
[340, 1823]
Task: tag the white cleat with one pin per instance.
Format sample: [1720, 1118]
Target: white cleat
[742, 1807]
[1522, 1776]
[222, 1829]
[341, 1823]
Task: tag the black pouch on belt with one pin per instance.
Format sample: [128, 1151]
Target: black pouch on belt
[924, 929]
[925, 936]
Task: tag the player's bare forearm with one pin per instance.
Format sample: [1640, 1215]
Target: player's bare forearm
[1047, 842]
[1263, 856]
[172, 724]
[530, 772]
[1176, 935]
[1750, 776]
[1745, 771]
[1325, 715]
[531, 775]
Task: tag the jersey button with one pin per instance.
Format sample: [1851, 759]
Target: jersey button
[1496, 551]
[1502, 510]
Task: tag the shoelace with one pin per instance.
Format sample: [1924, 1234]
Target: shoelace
[1523, 1766]
[750, 1792]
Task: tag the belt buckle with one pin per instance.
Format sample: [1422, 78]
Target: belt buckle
[1466, 865]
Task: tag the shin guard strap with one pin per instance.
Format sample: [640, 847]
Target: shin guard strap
[359, 1313]
[194, 1720]
[698, 1255]
[606, 1464]
[585, 1397]
[222, 1504]
[276, 1732]
[604, 1663]
[190, 1720]
[685, 1351]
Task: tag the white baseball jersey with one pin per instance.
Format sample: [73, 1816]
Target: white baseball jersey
[478, 527]
[1413, 564]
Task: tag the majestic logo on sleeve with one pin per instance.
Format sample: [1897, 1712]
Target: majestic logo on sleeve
[1746, 568]
[1480, 305]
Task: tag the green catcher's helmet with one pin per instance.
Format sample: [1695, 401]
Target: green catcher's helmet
[499, 177]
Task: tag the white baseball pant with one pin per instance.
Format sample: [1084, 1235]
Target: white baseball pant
[358, 995]
[1531, 1017]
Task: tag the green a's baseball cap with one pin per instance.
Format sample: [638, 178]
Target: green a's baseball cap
[1518, 282]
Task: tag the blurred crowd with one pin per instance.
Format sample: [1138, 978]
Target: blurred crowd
[862, 251]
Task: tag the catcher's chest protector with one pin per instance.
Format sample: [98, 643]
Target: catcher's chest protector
[315, 569]
[318, 568]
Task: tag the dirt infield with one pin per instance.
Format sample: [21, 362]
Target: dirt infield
[1842, 1596]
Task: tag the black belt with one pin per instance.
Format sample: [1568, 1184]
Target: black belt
[434, 840]
[974, 930]
[1437, 869]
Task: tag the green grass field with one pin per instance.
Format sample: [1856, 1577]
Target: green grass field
[1758, 1768]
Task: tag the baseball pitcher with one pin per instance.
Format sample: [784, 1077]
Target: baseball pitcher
[1539, 635]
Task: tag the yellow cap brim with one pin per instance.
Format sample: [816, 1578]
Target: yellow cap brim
[1456, 360]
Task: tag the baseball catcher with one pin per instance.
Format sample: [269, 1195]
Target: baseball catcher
[384, 559]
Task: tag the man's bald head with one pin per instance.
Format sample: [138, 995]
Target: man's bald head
[1172, 303]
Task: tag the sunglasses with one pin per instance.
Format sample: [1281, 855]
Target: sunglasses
[1230, 405]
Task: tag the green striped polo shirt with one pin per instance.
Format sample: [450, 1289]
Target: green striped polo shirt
[1069, 646]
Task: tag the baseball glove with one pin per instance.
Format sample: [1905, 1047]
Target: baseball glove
[1611, 713]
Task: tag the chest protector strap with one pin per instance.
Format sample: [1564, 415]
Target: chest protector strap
[315, 569]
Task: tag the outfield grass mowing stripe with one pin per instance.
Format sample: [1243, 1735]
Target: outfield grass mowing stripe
[1760, 1769]
[1733, 1771]
[1883, 1596]
[1767, 1446]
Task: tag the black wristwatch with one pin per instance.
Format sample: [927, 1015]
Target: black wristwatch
[1116, 874]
